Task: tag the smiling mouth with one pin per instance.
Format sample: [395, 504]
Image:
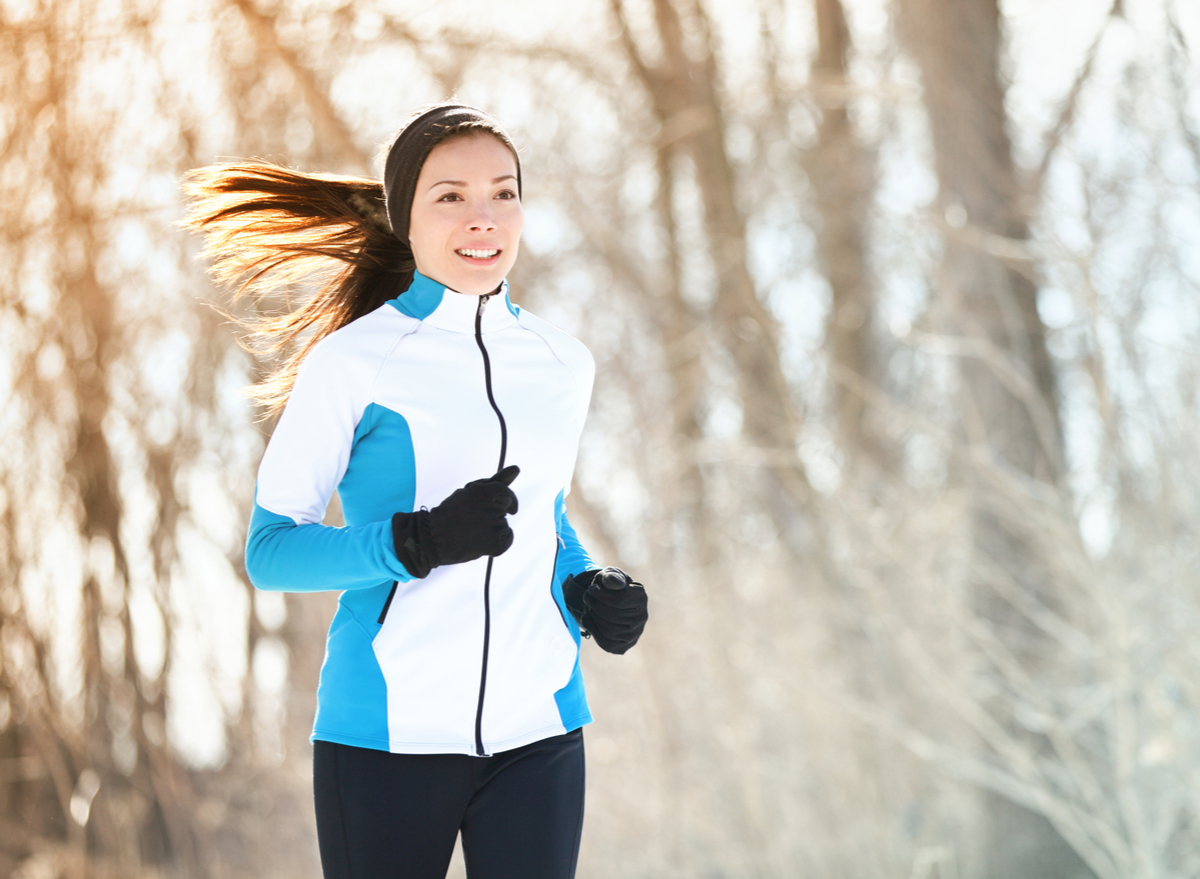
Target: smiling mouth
[478, 255]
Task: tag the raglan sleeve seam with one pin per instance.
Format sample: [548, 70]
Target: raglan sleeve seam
[583, 384]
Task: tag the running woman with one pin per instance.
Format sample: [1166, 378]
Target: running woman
[447, 419]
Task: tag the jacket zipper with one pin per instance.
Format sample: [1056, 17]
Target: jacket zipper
[487, 579]
[388, 603]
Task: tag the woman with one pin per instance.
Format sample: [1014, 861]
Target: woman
[447, 419]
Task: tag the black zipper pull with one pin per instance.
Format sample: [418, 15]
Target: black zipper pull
[482, 302]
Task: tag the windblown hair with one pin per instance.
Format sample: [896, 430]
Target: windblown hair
[268, 227]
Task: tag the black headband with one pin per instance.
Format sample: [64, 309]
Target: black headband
[412, 147]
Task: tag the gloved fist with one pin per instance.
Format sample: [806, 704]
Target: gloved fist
[468, 524]
[609, 605]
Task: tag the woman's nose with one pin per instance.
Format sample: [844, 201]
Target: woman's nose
[482, 221]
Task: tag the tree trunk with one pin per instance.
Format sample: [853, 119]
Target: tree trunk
[683, 90]
[841, 172]
[1007, 389]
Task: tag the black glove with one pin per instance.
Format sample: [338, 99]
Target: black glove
[468, 524]
[608, 605]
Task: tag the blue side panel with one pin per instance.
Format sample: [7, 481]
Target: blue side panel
[381, 478]
[421, 298]
[571, 699]
[352, 694]
[572, 702]
[572, 557]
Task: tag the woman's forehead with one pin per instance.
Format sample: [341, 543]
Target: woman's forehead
[470, 155]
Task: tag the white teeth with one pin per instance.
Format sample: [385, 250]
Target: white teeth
[478, 254]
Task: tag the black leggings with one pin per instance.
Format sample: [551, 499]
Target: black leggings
[396, 816]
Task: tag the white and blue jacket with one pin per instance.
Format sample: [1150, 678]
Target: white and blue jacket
[395, 411]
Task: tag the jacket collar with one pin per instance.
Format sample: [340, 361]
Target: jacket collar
[439, 306]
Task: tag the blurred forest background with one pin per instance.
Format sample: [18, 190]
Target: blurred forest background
[894, 304]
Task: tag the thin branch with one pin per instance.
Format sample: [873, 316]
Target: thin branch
[316, 95]
[1070, 104]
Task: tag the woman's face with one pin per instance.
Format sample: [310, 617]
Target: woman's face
[466, 215]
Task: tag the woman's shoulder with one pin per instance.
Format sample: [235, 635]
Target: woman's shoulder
[360, 347]
[372, 335]
[566, 347]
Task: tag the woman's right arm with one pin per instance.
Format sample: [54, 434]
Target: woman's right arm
[284, 556]
[287, 548]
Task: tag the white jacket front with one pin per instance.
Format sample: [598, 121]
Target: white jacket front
[393, 412]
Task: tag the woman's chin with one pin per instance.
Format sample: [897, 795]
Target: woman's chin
[473, 281]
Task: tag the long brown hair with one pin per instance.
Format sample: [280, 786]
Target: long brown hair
[267, 227]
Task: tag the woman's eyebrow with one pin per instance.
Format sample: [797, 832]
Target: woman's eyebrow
[499, 179]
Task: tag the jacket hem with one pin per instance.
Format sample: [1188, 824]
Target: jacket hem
[376, 744]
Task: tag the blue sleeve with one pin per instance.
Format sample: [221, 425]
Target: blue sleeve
[572, 557]
[286, 557]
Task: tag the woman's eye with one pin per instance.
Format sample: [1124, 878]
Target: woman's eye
[450, 196]
[506, 194]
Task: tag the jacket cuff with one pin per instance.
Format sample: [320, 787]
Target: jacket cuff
[573, 588]
[413, 542]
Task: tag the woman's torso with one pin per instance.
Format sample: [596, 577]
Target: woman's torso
[410, 680]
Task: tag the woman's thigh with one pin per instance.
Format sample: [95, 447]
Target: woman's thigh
[387, 816]
[525, 819]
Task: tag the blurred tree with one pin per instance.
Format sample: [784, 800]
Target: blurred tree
[87, 721]
[102, 454]
[683, 89]
[1008, 398]
[841, 170]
